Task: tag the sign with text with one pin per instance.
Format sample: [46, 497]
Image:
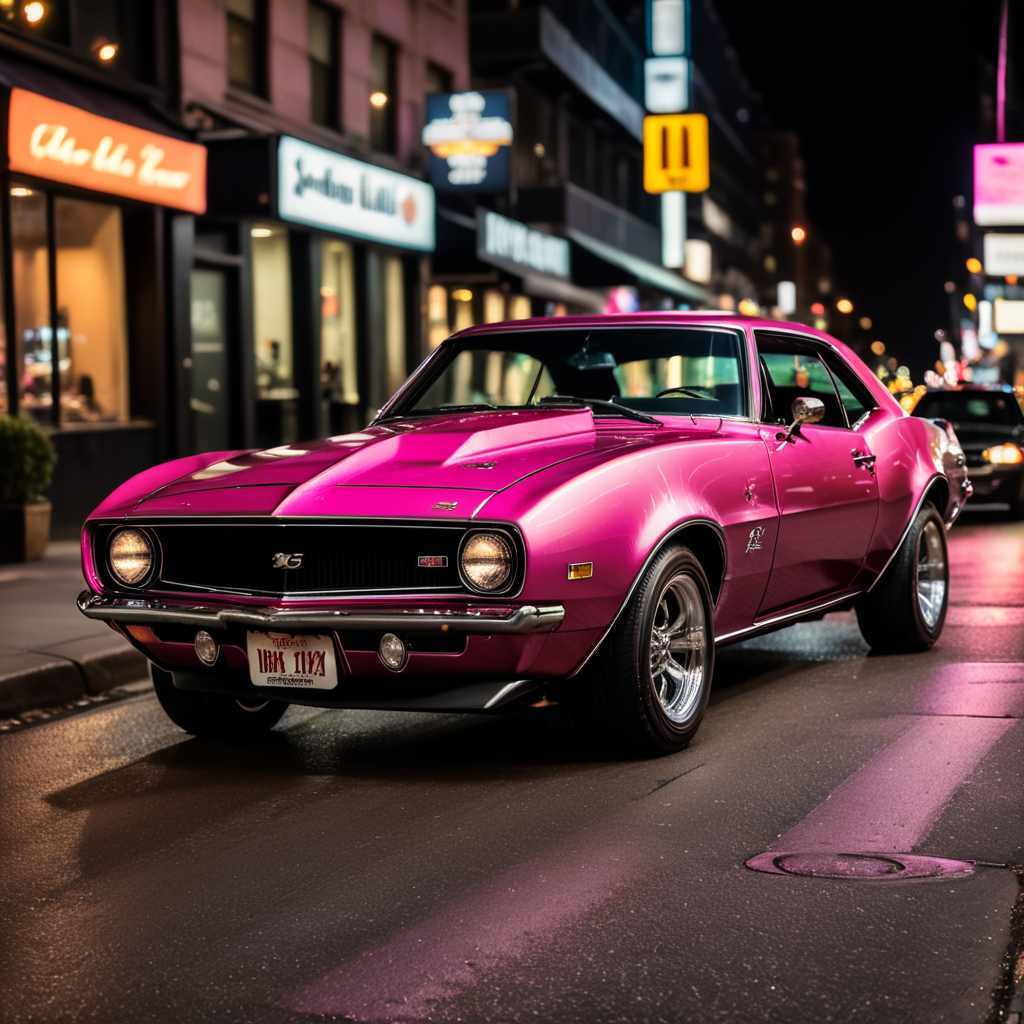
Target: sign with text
[335, 192]
[999, 183]
[512, 246]
[1004, 255]
[469, 136]
[666, 84]
[676, 157]
[54, 140]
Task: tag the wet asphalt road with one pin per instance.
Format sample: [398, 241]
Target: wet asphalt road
[388, 867]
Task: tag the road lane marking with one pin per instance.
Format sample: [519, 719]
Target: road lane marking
[891, 803]
[984, 689]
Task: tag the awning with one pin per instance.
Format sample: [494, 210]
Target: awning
[642, 270]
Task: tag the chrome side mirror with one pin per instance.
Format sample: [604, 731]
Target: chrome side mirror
[805, 410]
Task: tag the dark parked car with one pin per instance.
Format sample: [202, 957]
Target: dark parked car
[989, 424]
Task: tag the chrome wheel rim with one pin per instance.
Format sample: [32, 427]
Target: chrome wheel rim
[931, 574]
[677, 649]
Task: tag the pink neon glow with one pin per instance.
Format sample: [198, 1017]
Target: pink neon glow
[498, 919]
[892, 803]
[999, 183]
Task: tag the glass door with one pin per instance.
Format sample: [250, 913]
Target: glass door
[210, 397]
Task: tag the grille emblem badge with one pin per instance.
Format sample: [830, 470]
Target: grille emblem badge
[286, 561]
[432, 561]
[446, 506]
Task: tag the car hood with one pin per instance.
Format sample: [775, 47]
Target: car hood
[401, 468]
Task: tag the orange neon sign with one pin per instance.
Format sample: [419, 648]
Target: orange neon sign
[54, 140]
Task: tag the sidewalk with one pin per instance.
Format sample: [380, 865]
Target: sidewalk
[49, 652]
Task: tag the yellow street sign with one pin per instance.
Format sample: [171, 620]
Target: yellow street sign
[676, 153]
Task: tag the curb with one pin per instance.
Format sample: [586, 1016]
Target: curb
[63, 672]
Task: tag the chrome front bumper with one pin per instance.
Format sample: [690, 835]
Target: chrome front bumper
[526, 618]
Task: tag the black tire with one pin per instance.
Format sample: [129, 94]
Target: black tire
[898, 615]
[214, 715]
[622, 705]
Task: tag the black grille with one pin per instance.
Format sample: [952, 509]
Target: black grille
[344, 557]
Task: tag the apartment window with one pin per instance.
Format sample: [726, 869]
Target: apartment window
[246, 36]
[323, 64]
[383, 98]
[438, 79]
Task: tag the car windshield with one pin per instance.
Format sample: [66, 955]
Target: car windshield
[963, 408]
[666, 371]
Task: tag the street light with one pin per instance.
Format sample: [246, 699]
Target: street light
[34, 12]
[970, 302]
[798, 234]
[974, 265]
[378, 99]
[844, 306]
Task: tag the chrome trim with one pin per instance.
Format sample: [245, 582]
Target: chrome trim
[903, 536]
[527, 618]
[776, 620]
[650, 558]
[510, 692]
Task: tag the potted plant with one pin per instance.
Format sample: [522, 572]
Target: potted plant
[26, 463]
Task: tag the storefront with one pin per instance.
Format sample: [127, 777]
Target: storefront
[83, 316]
[307, 281]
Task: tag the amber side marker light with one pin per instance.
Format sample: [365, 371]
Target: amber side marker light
[581, 570]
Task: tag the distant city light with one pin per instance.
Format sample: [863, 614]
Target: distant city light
[865, 323]
[974, 265]
[798, 235]
[878, 348]
[749, 307]
[1011, 278]
[261, 232]
[21, 192]
[538, 149]
[108, 51]
[34, 12]
[462, 295]
[970, 302]
[844, 306]
[378, 99]
[818, 309]
[950, 287]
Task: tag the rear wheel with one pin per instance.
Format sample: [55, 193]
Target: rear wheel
[214, 714]
[907, 607]
[645, 691]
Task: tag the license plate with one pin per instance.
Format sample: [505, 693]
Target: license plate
[282, 659]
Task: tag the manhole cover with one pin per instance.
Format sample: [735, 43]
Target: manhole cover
[859, 866]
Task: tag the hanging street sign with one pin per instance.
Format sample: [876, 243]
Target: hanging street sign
[676, 157]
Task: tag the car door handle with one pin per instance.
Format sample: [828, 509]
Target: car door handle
[862, 459]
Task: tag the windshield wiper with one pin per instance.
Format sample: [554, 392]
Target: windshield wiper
[596, 404]
[433, 410]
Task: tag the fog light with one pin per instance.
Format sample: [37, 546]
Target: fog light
[207, 648]
[392, 652]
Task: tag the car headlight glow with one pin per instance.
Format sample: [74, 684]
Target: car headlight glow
[488, 561]
[1003, 455]
[131, 556]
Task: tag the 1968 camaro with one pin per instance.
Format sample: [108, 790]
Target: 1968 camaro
[581, 508]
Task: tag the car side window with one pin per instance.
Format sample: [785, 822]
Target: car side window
[794, 371]
[856, 398]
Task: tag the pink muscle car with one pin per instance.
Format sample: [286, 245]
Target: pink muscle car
[581, 508]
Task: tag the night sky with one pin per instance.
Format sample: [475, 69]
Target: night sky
[885, 100]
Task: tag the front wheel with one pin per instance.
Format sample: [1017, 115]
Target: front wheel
[646, 690]
[214, 715]
[907, 607]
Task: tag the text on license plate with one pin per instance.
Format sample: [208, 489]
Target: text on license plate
[283, 659]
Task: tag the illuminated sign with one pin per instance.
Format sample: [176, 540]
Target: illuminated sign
[999, 183]
[1004, 255]
[667, 27]
[514, 247]
[328, 190]
[666, 84]
[1008, 316]
[468, 135]
[676, 157]
[54, 140]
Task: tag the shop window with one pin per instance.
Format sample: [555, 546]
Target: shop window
[394, 312]
[92, 336]
[323, 64]
[383, 98]
[437, 315]
[519, 307]
[338, 360]
[272, 335]
[463, 299]
[494, 306]
[32, 334]
[246, 45]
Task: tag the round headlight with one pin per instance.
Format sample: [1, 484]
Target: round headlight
[488, 561]
[131, 556]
